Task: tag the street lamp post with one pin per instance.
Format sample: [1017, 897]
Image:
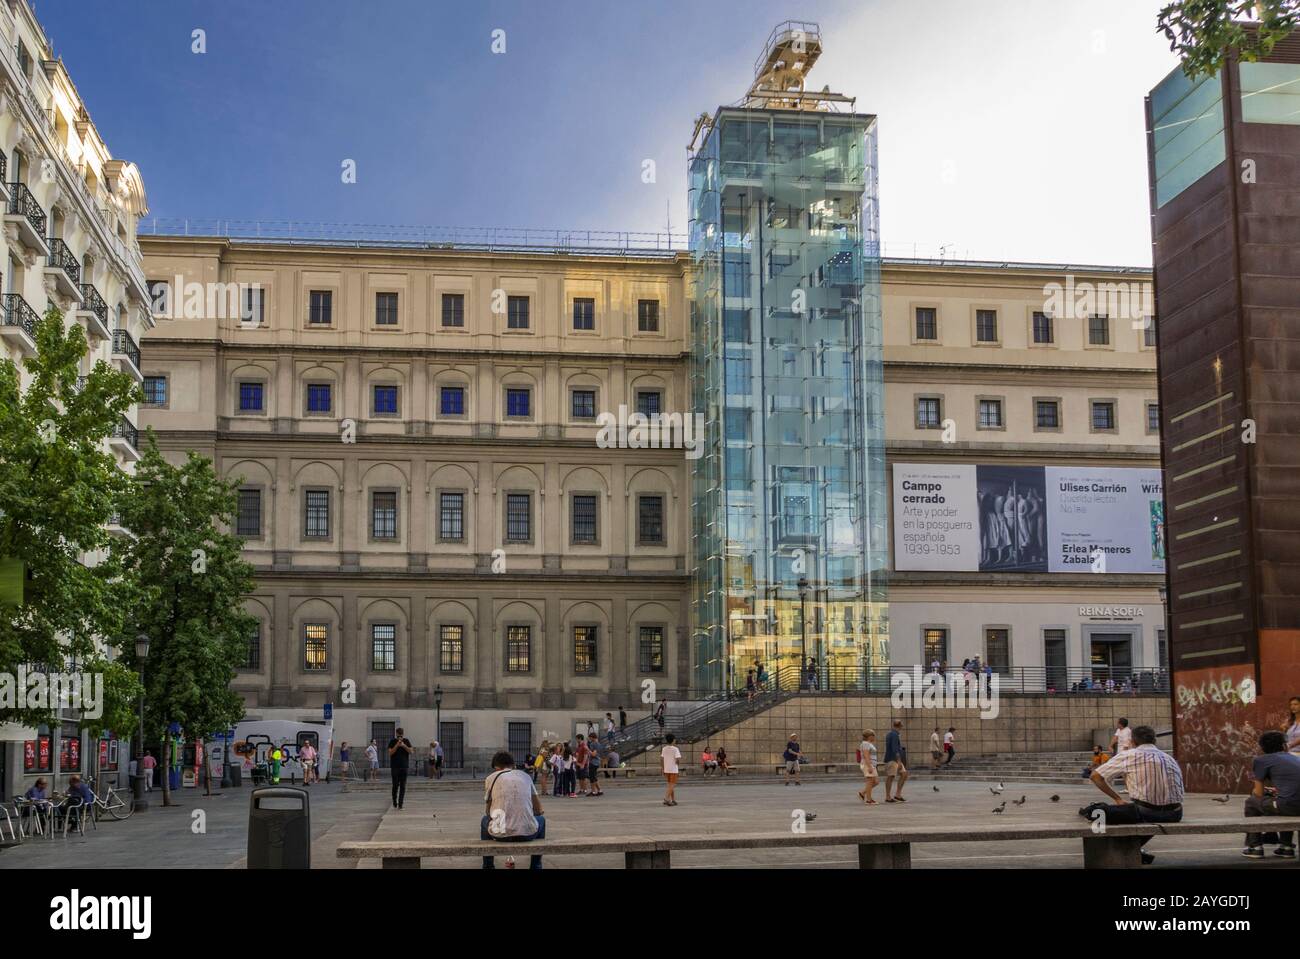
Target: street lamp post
[437, 714]
[138, 802]
[803, 628]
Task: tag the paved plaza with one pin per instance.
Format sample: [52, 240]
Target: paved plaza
[163, 837]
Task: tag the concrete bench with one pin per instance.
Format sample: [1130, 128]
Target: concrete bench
[1117, 848]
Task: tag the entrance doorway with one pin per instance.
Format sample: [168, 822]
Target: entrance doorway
[1111, 656]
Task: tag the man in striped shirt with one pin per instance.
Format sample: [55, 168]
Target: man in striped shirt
[1152, 779]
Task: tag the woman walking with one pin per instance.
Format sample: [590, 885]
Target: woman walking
[867, 749]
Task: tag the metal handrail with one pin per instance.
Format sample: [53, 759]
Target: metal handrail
[18, 313]
[124, 344]
[93, 302]
[62, 258]
[23, 203]
[125, 430]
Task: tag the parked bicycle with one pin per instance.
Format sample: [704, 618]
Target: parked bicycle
[111, 802]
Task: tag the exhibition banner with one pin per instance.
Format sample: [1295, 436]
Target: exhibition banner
[1028, 519]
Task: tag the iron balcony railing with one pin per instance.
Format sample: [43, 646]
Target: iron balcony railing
[23, 203]
[18, 313]
[92, 301]
[4, 167]
[61, 257]
[124, 344]
[124, 430]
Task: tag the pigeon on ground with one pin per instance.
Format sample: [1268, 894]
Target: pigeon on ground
[1056, 799]
[810, 817]
[998, 811]
[935, 788]
[997, 791]
[1226, 798]
[1021, 801]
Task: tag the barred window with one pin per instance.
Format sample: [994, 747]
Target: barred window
[319, 398]
[584, 518]
[453, 309]
[451, 648]
[519, 517]
[935, 641]
[385, 309]
[990, 414]
[584, 404]
[315, 646]
[1047, 414]
[1103, 416]
[650, 520]
[254, 305]
[649, 402]
[518, 402]
[1149, 331]
[1043, 332]
[584, 314]
[986, 326]
[451, 516]
[927, 323]
[155, 390]
[250, 397]
[451, 401]
[385, 400]
[519, 647]
[383, 514]
[383, 647]
[248, 521]
[321, 312]
[927, 413]
[1098, 331]
[253, 652]
[647, 316]
[651, 646]
[1153, 418]
[517, 313]
[584, 649]
[317, 521]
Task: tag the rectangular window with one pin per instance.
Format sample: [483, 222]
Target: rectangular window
[1103, 416]
[254, 305]
[651, 647]
[250, 397]
[383, 647]
[317, 521]
[253, 652]
[315, 646]
[453, 309]
[451, 516]
[1098, 331]
[383, 514]
[1153, 418]
[928, 413]
[321, 309]
[320, 398]
[584, 518]
[451, 401]
[935, 642]
[1055, 659]
[650, 520]
[584, 649]
[927, 323]
[385, 309]
[519, 649]
[451, 737]
[451, 648]
[737, 424]
[248, 522]
[647, 316]
[517, 313]
[155, 390]
[1149, 332]
[649, 402]
[986, 326]
[385, 400]
[1047, 414]
[584, 314]
[583, 404]
[519, 740]
[518, 402]
[990, 414]
[519, 517]
[1043, 328]
[997, 649]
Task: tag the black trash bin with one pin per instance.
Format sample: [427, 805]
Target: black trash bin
[279, 828]
[236, 775]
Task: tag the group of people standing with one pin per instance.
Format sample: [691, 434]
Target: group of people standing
[574, 767]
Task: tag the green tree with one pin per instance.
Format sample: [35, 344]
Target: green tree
[1202, 31]
[58, 487]
[187, 579]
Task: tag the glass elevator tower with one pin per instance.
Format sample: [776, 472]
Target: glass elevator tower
[789, 536]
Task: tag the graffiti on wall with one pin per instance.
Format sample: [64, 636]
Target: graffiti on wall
[1218, 719]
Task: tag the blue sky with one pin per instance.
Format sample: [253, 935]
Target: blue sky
[1007, 129]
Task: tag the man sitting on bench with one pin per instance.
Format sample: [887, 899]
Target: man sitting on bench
[1153, 781]
[513, 809]
[1277, 793]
